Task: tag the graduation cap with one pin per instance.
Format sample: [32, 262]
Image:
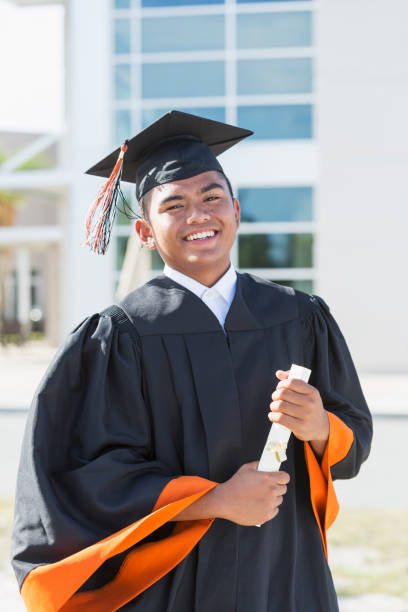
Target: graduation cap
[175, 147]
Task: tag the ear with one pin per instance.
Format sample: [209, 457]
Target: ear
[143, 230]
[237, 211]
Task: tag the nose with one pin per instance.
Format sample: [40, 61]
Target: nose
[197, 215]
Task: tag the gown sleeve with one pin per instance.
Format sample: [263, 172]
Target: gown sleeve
[90, 494]
[335, 377]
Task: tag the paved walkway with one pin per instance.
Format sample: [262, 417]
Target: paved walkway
[21, 369]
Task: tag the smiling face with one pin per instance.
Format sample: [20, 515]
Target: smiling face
[193, 224]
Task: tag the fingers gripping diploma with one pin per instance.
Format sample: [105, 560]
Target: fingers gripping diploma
[251, 496]
[299, 407]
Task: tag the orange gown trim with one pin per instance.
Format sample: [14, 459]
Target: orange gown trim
[322, 493]
[52, 587]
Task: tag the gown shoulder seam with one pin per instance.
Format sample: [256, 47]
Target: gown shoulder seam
[121, 320]
[309, 305]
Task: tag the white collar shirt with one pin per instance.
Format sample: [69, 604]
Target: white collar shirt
[218, 298]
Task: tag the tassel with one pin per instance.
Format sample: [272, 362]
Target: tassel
[103, 211]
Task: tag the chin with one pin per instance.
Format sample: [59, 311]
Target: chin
[204, 261]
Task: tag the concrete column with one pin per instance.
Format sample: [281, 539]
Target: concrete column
[52, 306]
[86, 279]
[23, 288]
[6, 265]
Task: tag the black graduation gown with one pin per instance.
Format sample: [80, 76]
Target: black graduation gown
[127, 411]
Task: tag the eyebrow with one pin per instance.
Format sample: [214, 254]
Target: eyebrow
[171, 199]
[211, 186]
[204, 189]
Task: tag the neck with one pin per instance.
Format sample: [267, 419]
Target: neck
[205, 276]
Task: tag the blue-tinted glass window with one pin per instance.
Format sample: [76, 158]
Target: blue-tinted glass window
[122, 35]
[276, 204]
[183, 79]
[121, 217]
[123, 214]
[123, 122]
[275, 250]
[156, 262]
[265, 30]
[121, 4]
[122, 81]
[274, 76]
[216, 113]
[277, 122]
[179, 2]
[183, 33]
[121, 246]
[245, 1]
[305, 285]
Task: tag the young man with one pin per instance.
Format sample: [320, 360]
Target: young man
[138, 485]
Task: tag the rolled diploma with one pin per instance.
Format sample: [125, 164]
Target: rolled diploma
[274, 451]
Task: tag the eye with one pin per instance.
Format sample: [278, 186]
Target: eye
[212, 198]
[173, 207]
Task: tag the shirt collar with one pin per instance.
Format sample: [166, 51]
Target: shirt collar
[225, 286]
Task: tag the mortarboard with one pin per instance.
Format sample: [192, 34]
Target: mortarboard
[175, 147]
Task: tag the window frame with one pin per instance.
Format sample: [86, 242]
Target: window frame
[230, 101]
[277, 227]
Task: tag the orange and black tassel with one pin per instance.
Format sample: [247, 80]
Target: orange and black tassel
[103, 211]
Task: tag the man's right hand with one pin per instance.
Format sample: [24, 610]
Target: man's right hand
[248, 498]
[251, 497]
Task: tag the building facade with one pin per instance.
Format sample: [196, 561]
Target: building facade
[321, 182]
[249, 64]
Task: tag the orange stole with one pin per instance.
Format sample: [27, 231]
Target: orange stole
[322, 493]
[49, 588]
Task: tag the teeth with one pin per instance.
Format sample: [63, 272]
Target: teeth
[199, 235]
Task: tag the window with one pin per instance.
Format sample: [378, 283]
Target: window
[245, 1]
[183, 79]
[183, 33]
[182, 60]
[276, 234]
[156, 261]
[277, 122]
[276, 204]
[121, 246]
[37, 300]
[121, 4]
[275, 250]
[122, 125]
[122, 36]
[124, 216]
[275, 76]
[266, 30]
[217, 113]
[305, 285]
[122, 82]
[146, 3]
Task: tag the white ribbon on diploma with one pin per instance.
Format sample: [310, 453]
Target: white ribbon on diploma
[274, 452]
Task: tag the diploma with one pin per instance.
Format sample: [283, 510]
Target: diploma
[274, 452]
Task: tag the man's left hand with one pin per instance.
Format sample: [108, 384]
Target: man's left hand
[299, 407]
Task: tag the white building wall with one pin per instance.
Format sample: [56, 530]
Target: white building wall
[267, 163]
[362, 138]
